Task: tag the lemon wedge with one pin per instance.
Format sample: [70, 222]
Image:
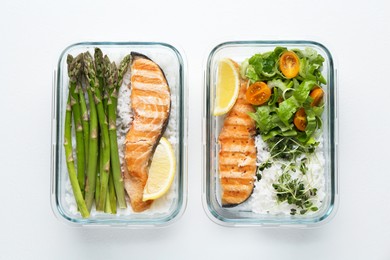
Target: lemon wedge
[161, 172]
[228, 85]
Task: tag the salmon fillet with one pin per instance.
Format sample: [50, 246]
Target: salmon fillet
[151, 104]
[237, 155]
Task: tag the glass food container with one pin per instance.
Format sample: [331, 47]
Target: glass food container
[164, 210]
[254, 212]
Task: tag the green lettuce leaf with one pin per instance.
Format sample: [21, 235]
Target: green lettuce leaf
[251, 73]
[303, 90]
[274, 97]
[311, 123]
[257, 63]
[243, 68]
[279, 50]
[310, 65]
[265, 121]
[278, 83]
[286, 109]
[269, 61]
[264, 65]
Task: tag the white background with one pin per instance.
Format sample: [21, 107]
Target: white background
[32, 36]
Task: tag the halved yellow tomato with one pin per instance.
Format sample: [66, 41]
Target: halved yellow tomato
[316, 94]
[289, 64]
[300, 120]
[258, 93]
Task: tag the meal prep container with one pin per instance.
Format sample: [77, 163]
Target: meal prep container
[166, 56]
[239, 216]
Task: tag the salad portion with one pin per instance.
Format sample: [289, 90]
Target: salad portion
[274, 101]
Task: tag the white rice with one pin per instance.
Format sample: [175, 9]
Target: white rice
[264, 199]
[124, 120]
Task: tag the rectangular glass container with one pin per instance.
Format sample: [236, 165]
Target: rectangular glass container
[164, 210]
[244, 216]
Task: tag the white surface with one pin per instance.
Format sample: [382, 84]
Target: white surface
[33, 33]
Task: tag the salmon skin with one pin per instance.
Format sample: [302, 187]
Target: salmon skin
[151, 105]
[237, 155]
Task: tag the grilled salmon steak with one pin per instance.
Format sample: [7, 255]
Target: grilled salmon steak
[151, 104]
[237, 155]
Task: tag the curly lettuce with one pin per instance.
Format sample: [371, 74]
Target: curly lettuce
[264, 67]
[275, 119]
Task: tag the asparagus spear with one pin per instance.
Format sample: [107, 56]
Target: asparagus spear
[107, 206]
[85, 119]
[94, 84]
[93, 145]
[99, 66]
[123, 66]
[112, 194]
[110, 206]
[100, 72]
[70, 161]
[99, 169]
[74, 66]
[115, 78]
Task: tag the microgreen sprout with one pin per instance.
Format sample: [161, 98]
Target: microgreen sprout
[293, 191]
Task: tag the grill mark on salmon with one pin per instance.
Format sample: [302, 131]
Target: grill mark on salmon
[238, 145]
[144, 96]
[235, 120]
[242, 182]
[237, 155]
[151, 104]
[233, 168]
[238, 131]
[236, 158]
[148, 79]
[246, 174]
[149, 87]
[148, 67]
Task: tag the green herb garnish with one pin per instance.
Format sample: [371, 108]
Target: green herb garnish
[294, 192]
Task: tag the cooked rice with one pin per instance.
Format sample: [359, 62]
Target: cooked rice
[264, 199]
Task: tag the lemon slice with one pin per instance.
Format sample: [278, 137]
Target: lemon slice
[161, 172]
[228, 85]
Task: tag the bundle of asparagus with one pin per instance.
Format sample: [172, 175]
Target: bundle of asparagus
[98, 177]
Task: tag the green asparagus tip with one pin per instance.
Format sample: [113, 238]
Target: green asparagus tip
[88, 66]
[124, 64]
[114, 71]
[123, 68]
[107, 71]
[69, 58]
[99, 61]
